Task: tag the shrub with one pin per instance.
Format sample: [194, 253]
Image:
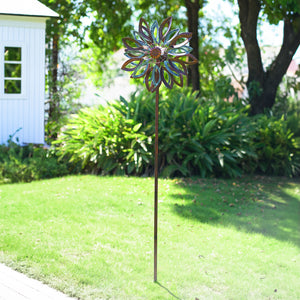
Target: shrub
[196, 137]
[103, 141]
[276, 149]
[27, 163]
[203, 137]
[206, 137]
[287, 104]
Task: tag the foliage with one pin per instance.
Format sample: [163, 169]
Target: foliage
[160, 9]
[219, 64]
[286, 103]
[276, 149]
[105, 142]
[196, 138]
[27, 163]
[276, 10]
[203, 137]
[61, 32]
[68, 90]
[211, 63]
[93, 24]
[109, 23]
[206, 137]
[293, 118]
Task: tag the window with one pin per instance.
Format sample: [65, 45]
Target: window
[12, 70]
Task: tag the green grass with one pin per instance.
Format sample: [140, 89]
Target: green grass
[92, 237]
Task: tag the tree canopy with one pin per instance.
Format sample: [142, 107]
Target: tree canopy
[102, 24]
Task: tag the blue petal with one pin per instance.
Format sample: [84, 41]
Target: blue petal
[155, 32]
[139, 38]
[155, 69]
[144, 64]
[135, 53]
[170, 36]
[180, 51]
[168, 67]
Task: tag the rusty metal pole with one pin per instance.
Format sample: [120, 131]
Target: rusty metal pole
[156, 183]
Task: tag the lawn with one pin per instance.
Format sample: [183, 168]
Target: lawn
[92, 237]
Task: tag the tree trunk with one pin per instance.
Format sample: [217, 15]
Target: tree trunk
[193, 23]
[54, 102]
[262, 85]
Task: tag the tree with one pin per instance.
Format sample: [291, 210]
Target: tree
[58, 33]
[263, 83]
[192, 10]
[55, 30]
[110, 23]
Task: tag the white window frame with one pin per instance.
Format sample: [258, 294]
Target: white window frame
[21, 95]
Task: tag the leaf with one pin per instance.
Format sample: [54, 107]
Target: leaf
[221, 159]
[171, 169]
[137, 127]
[208, 127]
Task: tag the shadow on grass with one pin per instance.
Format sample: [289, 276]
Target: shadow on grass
[258, 204]
[165, 288]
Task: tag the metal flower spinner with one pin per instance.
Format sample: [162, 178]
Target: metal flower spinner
[159, 54]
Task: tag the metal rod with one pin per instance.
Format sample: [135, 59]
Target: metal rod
[156, 184]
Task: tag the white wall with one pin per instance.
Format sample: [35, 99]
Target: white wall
[24, 111]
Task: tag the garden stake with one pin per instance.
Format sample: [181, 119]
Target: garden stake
[155, 54]
[156, 183]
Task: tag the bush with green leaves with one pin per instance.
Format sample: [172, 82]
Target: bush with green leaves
[196, 137]
[276, 148]
[201, 137]
[27, 163]
[206, 137]
[103, 141]
[289, 108]
[287, 103]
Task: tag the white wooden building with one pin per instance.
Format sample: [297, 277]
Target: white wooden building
[22, 70]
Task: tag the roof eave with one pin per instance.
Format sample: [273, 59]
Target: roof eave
[32, 16]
